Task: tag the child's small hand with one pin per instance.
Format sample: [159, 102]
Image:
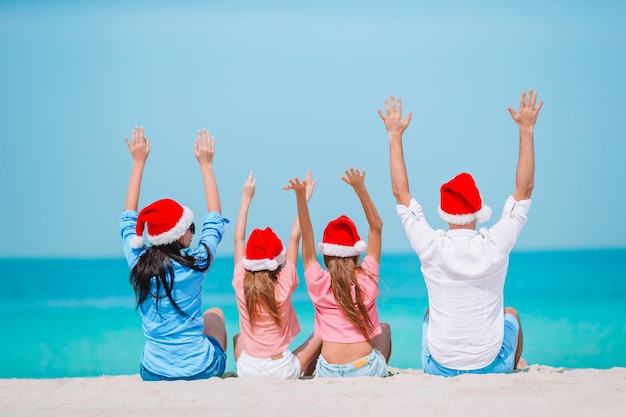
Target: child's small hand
[296, 185]
[310, 185]
[140, 146]
[205, 148]
[248, 187]
[354, 177]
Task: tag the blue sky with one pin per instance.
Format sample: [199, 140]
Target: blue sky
[290, 86]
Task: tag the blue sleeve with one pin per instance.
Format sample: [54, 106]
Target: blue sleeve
[128, 224]
[212, 232]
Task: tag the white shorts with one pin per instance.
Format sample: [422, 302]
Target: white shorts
[287, 366]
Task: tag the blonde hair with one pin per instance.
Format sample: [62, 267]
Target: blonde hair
[258, 288]
[343, 277]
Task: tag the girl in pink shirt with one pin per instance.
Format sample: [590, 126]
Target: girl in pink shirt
[264, 279]
[354, 342]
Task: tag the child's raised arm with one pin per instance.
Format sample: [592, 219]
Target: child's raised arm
[296, 233]
[308, 240]
[205, 151]
[247, 193]
[139, 149]
[356, 179]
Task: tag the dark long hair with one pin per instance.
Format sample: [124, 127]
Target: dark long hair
[157, 263]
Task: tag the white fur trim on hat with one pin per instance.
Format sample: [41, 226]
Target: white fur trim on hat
[255, 265]
[481, 215]
[175, 232]
[330, 249]
[136, 242]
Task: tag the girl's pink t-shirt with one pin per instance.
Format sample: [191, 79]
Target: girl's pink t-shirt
[331, 324]
[265, 338]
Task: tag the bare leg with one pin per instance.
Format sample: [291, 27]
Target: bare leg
[382, 342]
[215, 326]
[519, 361]
[307, 354]
[237, 345]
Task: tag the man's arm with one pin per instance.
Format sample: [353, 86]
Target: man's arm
[525, 117]
[396, 126]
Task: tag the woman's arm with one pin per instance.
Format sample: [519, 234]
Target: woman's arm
[356, 179]
[205, 151]
[139, 149]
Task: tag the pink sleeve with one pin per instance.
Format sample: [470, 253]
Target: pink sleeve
[287, 282]
[316, 282]
[238, 274]
[370, 265]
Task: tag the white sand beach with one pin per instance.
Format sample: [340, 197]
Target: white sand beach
[536, 391]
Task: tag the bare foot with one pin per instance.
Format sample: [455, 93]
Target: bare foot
[522, 364]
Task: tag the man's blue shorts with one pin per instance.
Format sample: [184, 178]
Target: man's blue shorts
[502, 364]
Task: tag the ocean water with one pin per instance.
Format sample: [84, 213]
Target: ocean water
[75, 317]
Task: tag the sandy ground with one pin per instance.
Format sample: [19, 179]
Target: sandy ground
[536, 391]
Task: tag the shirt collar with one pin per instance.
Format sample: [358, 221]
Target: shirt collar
[461, 232]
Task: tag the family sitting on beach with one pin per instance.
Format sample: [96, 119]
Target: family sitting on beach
[466, 328]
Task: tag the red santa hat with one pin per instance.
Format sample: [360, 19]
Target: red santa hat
[165, 222]
[341, 239]
[461, 202]
[264, 251]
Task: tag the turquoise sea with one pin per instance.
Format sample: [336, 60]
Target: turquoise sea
[75, 317]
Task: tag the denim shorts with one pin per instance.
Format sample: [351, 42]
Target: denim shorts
[502, 364]
[373, 364]
[216, 368]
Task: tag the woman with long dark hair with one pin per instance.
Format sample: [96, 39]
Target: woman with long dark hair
[167, 276]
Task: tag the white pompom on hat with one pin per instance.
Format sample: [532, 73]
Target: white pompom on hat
[264, 251]
[165, 221]
[341, 239]
[461, 202]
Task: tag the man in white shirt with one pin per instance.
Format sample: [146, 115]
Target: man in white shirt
[466, 329]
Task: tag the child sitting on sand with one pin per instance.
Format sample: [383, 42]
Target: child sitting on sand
[181, 342]
[264, 279]
[354, 342]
